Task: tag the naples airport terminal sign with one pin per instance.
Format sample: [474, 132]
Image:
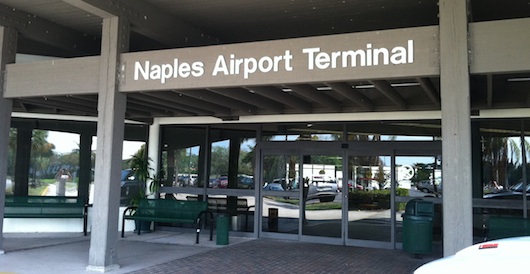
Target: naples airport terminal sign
[408, 53]
[401, 53]
[246, 66]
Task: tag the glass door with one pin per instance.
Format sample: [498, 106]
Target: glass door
[321, 207]
[418, 177]
[280, 194]
[369, 196]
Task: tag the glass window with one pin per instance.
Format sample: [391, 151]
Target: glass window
[316, 132]
[503, 177]
[369, 198]
[220, 154]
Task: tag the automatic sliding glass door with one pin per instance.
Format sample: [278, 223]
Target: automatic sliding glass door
[369, 210]
[321, 206]
[280, 193]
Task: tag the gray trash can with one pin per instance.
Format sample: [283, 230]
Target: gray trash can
[417, 226]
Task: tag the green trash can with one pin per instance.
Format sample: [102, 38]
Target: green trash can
[417, 226]
[221, 229]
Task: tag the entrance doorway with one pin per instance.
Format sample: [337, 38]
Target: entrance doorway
[344, 194]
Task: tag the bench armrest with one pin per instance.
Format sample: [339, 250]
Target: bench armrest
[129, 209]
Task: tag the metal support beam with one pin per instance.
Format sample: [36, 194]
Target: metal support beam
[456, 126]
[489, 99]
[8, 44]
[110, 131]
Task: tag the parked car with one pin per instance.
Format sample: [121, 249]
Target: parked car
[354, 186]
[428, 187]
[319, 187]
[498, 256]
[130, 186]
[186, 179]
[245, 181]
[219, 182]
[506, 195]
[519, 187]
[273, 187]
[322, 188]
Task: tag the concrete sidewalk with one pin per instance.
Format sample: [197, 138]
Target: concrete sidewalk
[175, 252]
[68, 252]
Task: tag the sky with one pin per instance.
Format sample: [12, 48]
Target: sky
[66, 142]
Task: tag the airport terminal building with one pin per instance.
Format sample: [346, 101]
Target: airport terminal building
[306, 120]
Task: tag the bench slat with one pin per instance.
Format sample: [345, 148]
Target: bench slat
[169, 211]
[46, 207]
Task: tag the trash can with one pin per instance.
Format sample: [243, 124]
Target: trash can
[273, 219]
[417, 227]
[221, 229]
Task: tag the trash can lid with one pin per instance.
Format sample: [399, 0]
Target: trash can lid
[419, 207]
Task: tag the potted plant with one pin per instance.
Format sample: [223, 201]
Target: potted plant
[140, 165]
[156, 183]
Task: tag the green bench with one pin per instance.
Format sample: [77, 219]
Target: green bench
[220, 205]
[47, 207]
[169, 211]
[504, 227]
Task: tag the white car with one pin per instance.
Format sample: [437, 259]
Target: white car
[500, 256]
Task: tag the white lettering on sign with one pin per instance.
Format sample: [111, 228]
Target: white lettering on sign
[363, 58]
[250, 65]
[166, 71]
[245, 66]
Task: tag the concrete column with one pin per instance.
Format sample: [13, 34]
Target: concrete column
[456, 126]
[8, 44]
[110, 132]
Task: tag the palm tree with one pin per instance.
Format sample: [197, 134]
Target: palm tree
[500, 153]
[41, 152]
[139, 163]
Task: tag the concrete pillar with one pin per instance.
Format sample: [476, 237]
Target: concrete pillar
[456, 126]
[8, 44]
[110, 132]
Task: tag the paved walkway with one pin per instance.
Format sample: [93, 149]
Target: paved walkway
[174, 252]
[276, 256]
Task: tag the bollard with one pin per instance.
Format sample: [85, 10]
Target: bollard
[221, 229]
[273, 219]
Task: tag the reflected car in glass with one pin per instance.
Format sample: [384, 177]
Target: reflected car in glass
[273, 187]
[322, 188]
[245, 181]
[428, 187]
[130, 186]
